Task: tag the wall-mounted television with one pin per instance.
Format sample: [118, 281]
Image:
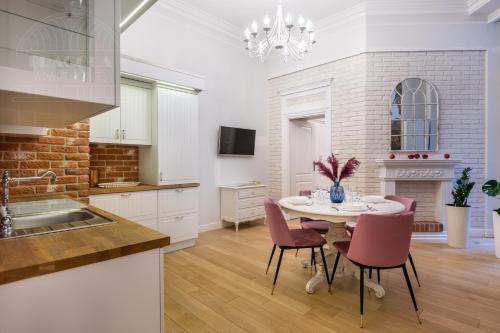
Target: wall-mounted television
[236, 141]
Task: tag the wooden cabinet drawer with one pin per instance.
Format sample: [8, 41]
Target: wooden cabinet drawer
[135, 206]
[179, 228]
[250, 213]
[177, 201]
[251, 202]
[252, 192]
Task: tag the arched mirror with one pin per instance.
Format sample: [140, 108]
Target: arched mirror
[414, 116]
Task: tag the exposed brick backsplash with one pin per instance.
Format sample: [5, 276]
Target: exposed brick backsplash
[115, 163]
[64, 151]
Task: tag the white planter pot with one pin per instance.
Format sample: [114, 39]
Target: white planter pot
[457, 219]
[496, 233]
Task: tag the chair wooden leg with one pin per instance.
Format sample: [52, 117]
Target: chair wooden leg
[378, 275]
[270, 258]
[297, 252]
[408, 282]
[370, 273]
[325, 268]
[333, 272]
[361, 292]
[413, 267]
[277, 270]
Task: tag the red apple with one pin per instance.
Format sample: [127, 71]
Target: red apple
[417, 156]
[410, 156]
[392, 156]
[425, 156]
[447, 156]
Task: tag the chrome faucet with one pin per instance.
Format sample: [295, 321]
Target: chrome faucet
[5, 218]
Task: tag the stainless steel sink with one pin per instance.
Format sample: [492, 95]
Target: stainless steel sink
[57, 221]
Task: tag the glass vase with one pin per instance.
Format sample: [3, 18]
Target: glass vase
[337, 194]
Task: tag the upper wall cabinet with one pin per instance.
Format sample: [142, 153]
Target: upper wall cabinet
[59, 60]
[130, 123]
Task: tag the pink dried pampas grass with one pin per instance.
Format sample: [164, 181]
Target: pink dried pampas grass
[332, 173]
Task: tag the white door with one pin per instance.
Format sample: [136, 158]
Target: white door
[136, 112]
[301, 156]
[177, 136]
[105, 128]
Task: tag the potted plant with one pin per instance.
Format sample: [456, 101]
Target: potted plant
[337, 194]
[458, 212]
[492, 189]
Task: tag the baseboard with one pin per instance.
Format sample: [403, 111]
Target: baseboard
[481, 232]
[179, 246]
[430, 236]
[438, 236]
[210, 226]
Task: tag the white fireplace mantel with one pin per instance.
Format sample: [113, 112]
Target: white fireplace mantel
[417, 169]
[441, 171]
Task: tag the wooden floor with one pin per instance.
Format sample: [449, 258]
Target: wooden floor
[220, 286]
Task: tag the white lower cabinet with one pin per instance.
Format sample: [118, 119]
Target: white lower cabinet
[179, 228]
[139, 207]
[119, 295]
[178, 214]
[173, 212]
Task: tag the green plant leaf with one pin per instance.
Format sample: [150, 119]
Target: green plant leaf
[491, 188]
[462, 189]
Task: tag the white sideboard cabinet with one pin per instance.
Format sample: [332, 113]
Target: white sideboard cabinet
[242, 203]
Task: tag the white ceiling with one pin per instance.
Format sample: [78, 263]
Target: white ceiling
[241, 13]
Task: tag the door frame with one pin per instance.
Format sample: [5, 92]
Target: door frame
[317, 102]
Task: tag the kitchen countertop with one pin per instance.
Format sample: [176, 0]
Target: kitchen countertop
[142, 187]
[26, 257]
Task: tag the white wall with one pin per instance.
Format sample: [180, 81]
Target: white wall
[372, 29]
[234, 95]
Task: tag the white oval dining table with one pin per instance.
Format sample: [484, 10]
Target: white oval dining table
[339, 218]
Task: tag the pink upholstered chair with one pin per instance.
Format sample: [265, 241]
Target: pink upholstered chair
[317, 225]
[287, 239]
[410, 207]
[380, 242]
[307, 223]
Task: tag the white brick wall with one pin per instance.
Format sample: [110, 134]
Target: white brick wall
[360, 98]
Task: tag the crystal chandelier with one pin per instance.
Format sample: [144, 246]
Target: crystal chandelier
[284, 36]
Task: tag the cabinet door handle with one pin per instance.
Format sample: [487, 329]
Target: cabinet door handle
[179, 190]
[179, 217]
[117, 134]
[125, 195]
[161, 176]
[123, 134]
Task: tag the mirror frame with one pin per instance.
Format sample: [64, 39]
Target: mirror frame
[426, 119]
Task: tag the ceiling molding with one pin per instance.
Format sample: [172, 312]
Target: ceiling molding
[475, 5]
[420, 7]
[347, 16]
[494, 17]
[201, 20]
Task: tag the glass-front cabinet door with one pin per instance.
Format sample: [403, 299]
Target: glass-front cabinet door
[58, 51]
